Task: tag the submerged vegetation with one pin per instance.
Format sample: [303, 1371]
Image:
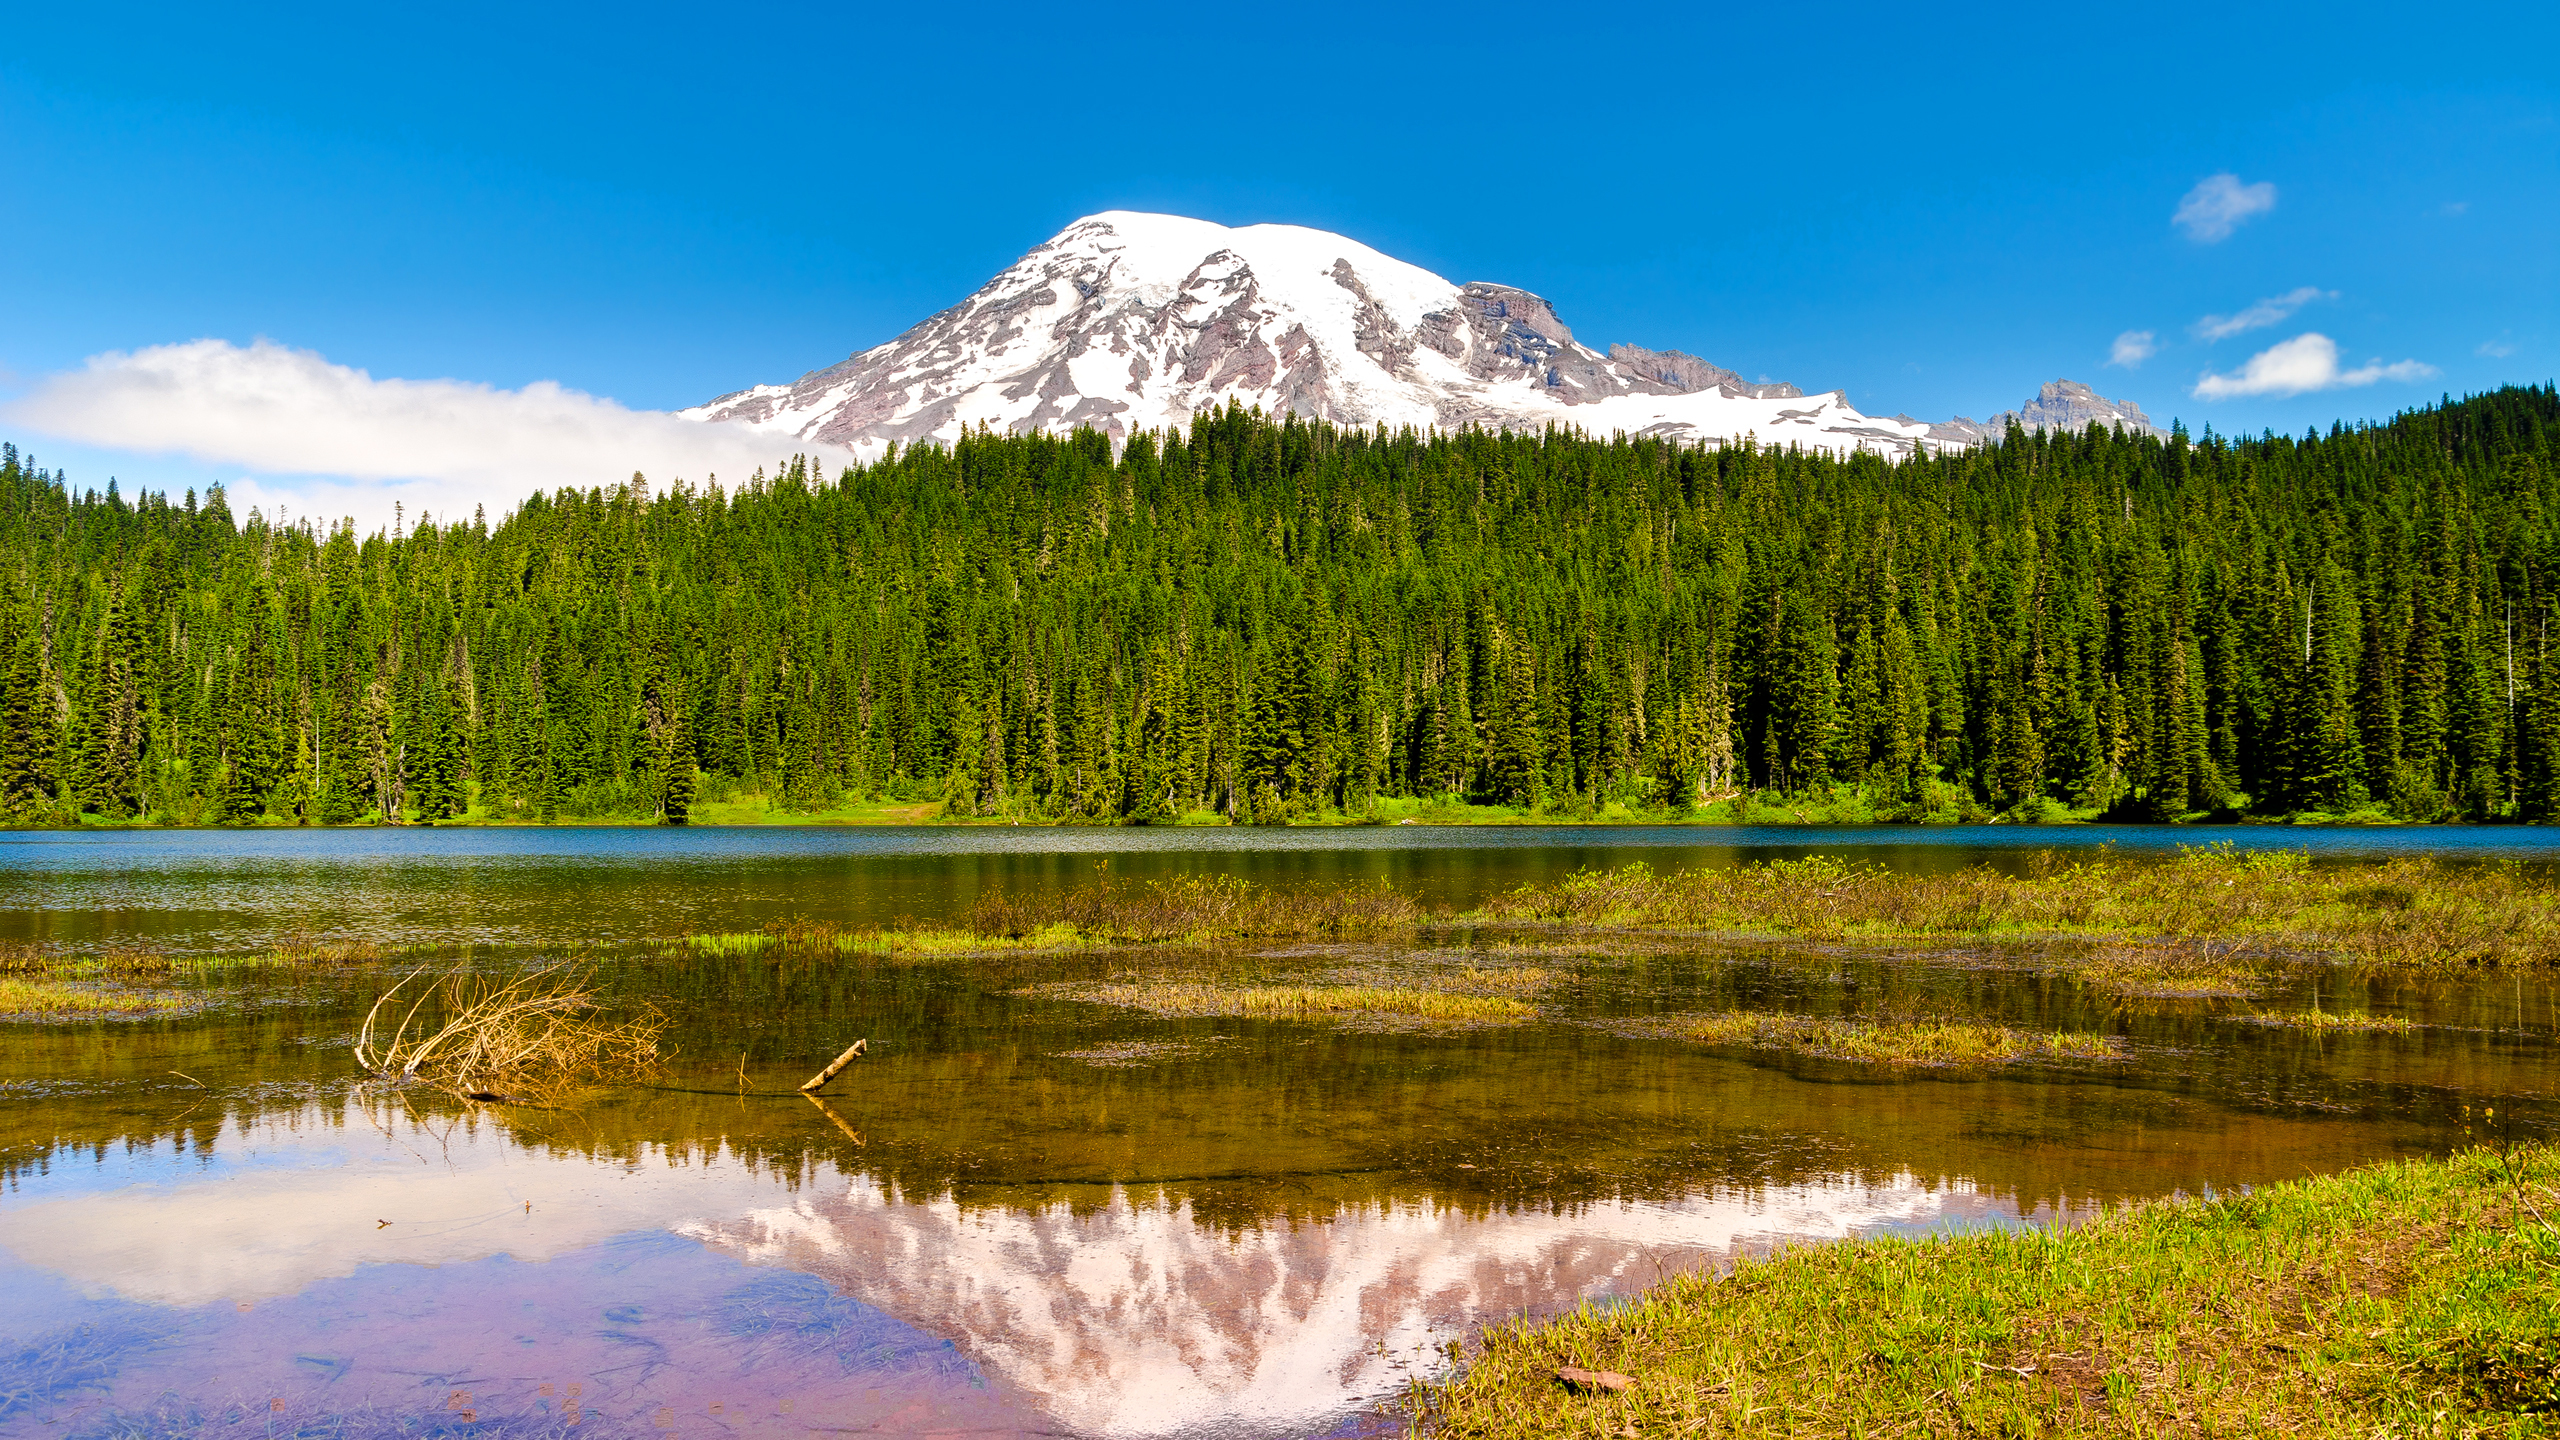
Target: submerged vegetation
[2421, 1297]
[487, 1037]
[1267, 620]
[1881, 1039]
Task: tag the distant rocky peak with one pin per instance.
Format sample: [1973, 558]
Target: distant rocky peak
[2060, 406]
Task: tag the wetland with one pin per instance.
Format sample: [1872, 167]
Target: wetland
[1235, 1133]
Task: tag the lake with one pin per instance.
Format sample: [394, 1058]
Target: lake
[1023, 1213]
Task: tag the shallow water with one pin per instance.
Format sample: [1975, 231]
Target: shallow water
[1024, 1214]
[235, 890]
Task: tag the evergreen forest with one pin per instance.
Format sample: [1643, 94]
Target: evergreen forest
[1271, 620]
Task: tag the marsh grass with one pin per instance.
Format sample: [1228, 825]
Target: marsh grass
[2413, 1298]
[535, 1036]
[2409, 913]
[803, 939]
[2211, 921]
[1193, 998]
[2325, 1020]
[2171, 970]
[1881, 1039]
[49, 999]
[1501, 980]
[314, 951]
[39, 982]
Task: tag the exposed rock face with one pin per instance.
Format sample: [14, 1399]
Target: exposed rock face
[1127, 321]
[2066, 406]
[1686, 373]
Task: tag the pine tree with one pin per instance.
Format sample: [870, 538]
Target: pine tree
[678, 765]
[27, 730]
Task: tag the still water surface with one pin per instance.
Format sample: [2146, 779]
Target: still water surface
[996, 1225]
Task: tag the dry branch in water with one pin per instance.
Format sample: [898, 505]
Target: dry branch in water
[818, 1081]
[534, 1036]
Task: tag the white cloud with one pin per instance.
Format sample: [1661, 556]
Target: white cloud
[2132, 348]
[444, 445]
[2212, 210]
[2498, 349]
[2300, 365]
[2272, 311]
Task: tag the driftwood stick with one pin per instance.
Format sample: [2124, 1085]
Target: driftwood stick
[851, 1053]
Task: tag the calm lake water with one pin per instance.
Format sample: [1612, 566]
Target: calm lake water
[1006, 1221]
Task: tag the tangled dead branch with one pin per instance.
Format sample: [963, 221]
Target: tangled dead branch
[480, 1037]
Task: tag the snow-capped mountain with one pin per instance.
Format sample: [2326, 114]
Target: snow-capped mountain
[1127, 321]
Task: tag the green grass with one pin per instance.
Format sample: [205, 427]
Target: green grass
[2414, 1298]
[1305, 1002]
[22, 998]
[1883, 1040]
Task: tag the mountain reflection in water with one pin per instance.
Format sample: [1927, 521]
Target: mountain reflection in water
[254, 1277]
[1136, 1319]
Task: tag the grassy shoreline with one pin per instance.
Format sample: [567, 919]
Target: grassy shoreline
[2417, 1297]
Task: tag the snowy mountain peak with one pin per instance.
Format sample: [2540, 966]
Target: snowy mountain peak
[1126, 321]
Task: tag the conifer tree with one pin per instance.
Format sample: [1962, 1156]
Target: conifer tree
[678, 765]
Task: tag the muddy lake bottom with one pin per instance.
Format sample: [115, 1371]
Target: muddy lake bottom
[1026, 1212]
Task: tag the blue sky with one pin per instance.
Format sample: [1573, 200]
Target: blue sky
[1935, 211]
